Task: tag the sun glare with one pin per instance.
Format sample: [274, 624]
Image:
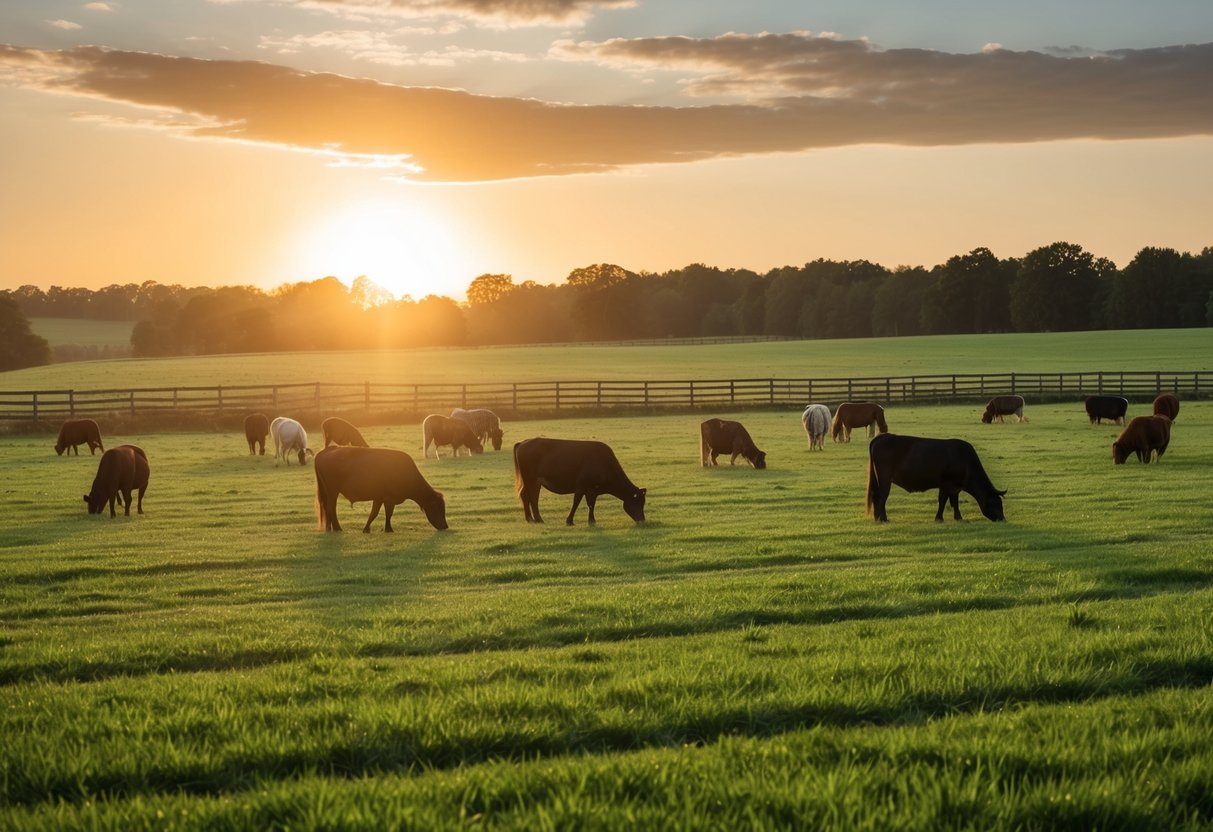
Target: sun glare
[406, 248]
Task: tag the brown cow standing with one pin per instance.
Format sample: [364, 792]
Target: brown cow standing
[384, 476]
[720, 436]
[1166, 405]
[78, 432]
[121, 470]
[443, 430]
[256, 428]
[850, 415]
[338, 431]
[1143, 436]
[583, 468]
[1001, 406]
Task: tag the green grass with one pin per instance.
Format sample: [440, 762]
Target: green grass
[60, 331]
[1168, 350]
[758, 654]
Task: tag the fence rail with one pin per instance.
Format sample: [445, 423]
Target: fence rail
[548, 396]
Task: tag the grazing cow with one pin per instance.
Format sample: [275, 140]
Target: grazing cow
[78, 432]
[338, 431]
[384, 476]
[1143, 436]
[256, 428]
[484, 423]
[583, 468]
[1001, 406]
[918, 464]
[290, 437]
[1106, 407]
[121, 470]
[1166, 405]
[720, 436]
[443, 430]
[816, 420]
[858, 415]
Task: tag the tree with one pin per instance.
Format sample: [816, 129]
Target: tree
[1056, 289]
[19, 346]
[598, 276]
[489, 288]
[971, 294]
[366, 293]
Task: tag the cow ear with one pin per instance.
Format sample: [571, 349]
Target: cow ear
[86, 498]
[644, 491]
[1002, 493]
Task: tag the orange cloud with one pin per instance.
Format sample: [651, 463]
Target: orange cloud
[508, 12]
[830, 93]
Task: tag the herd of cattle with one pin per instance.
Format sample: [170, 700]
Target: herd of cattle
[347, 466]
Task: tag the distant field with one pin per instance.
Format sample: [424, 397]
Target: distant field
[1190, 349]
[59, 331]
[758, 655]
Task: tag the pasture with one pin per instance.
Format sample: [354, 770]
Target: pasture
[758, 655]
[87, 333]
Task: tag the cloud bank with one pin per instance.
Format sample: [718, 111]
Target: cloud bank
[494, 12]
[801, 92]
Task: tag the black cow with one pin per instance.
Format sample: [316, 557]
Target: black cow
[121, 470]
[918, 464]
[1106, 407]
[583, 468]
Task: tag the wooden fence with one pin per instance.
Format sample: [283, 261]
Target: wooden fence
[518, 398]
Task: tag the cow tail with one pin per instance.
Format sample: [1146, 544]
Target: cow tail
[703, 444]
[836, 424]
[869, 500]
[519, 479]
[321, 499]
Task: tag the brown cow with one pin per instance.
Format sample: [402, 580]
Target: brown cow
[1143, 436]
[78, 432]
[720, 436]
[1001, 406]
[918, 464]
[1166, 405]
[256, 428]
[849, 415]
[583, 468]
[443, 430]
[384, 476]
[338, 431]
[121, 470]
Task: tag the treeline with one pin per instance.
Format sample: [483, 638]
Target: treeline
[1056, 287]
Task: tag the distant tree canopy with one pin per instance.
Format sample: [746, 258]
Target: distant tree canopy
[1056, 287]
[19, 346]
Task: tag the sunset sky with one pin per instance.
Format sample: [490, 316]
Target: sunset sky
[424, 142]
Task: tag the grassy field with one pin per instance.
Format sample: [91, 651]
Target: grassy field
[758, 654]
[1190, 349]
[58, 331]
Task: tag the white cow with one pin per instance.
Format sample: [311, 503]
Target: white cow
[289, 437]
[816, 421]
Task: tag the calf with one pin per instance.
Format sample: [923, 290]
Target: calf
[120, 471]
[384, 476]
[78, 432]
[1144, 436]
[720, 436]
[583, 468]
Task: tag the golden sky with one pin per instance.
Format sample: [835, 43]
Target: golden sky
[424, 142]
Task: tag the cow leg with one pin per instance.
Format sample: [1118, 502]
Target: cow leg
[881, 501]
[112, 498]
[141, 490]
[733, 458]
[531, 501]
[388, 508]
[590, 499]
[715, 453]
[371, 519]
[955, 498]
[568, 521]
[126, 494]
[943, 501]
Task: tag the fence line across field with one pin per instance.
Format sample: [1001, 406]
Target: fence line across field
[519, 398]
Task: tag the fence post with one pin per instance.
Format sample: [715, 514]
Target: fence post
[557, 395]
[850, 395]
[953, 387]
[71, 402]
[416, 400]
[219, 393]
[132, 402]
[691, 389]
[732, 391]
[1012, 383]
[1157, 383]
[174, 398]
[367, 397]
[771, 387]
[464, 397]
[888, 389]
[600, 394]
[515, 397]
[914, 388]
[646, 394]
[35, 403]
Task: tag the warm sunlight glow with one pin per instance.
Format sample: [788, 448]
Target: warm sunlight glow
[402, 245]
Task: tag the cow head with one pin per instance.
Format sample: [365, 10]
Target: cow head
[94, 506]
[304, 453]
[991, 506]
[477, 446]
[633, 504]
[1119, 453]
[496, 434]
[987, 417]
[59, 449]
[759, 459]
[435, 511]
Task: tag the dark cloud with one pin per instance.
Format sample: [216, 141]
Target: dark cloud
[808, 93]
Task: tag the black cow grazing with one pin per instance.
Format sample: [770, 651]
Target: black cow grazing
[1167, 404]
[1112, 408]
[338, 431]
[1144, 436]
[918, 464]
[384, 476]
[256, 428]
[720, 436]
[121, 470]
[78, 432]
[583, 468]
[1001, 406]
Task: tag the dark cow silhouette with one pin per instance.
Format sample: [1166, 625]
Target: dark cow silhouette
[384, 476]
[1167, 404]
[78, 432]
[583, 468]
[1001, 406]
[918, 464]
[121, 470]
[256, 428]
[1112, 408]
[338, 431]
[443, 430]
[720, 436]
[1143, 436]
[850, 415]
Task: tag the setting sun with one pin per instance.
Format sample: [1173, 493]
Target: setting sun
[403, 246]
